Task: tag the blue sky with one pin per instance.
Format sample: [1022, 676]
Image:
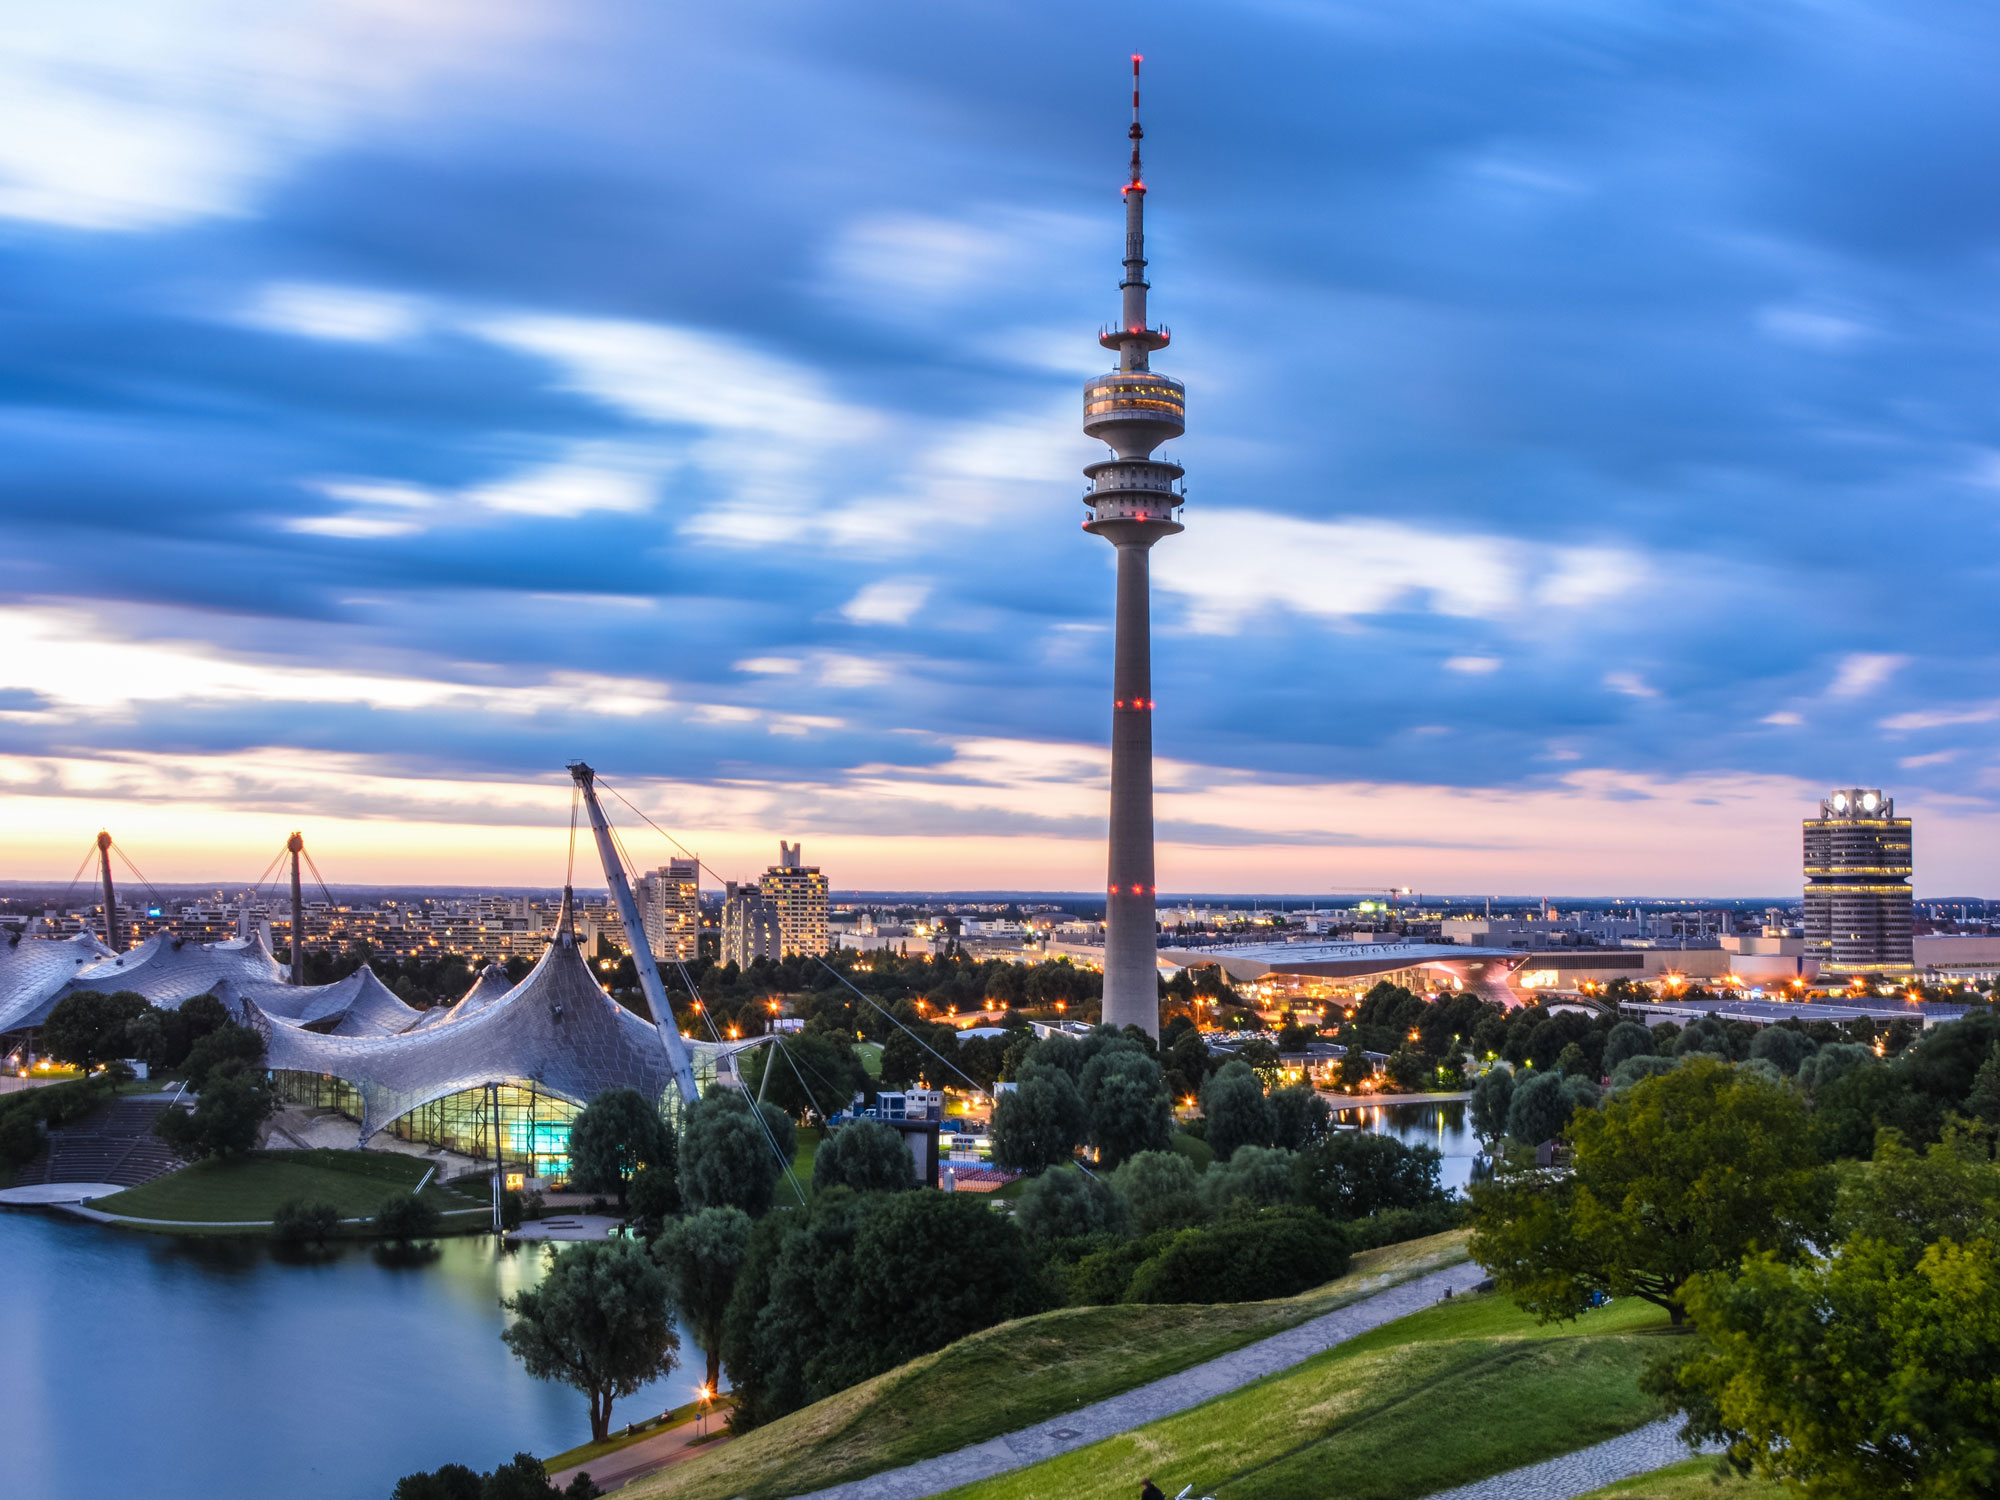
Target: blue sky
[1593, 448]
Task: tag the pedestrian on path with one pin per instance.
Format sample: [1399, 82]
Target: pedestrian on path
[1151, 1491]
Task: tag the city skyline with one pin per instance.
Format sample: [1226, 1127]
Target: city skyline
[539, 387]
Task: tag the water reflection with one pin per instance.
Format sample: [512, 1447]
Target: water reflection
[1444, 1127]
[134, 1364]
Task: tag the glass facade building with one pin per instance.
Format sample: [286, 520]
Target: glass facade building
[1857, 896]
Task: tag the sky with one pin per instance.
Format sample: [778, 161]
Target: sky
[1593, 450]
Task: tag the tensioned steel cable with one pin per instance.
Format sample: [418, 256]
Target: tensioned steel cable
[756, 1110]
[885, 1012]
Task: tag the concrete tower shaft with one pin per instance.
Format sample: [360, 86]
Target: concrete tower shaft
[1134, 500]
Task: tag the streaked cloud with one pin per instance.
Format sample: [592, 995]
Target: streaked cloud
[887, 601]
[1862, 672]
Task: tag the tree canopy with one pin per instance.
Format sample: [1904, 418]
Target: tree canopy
[702, 1256]
[865, 1155]
[597, 1322]
[617, 1136]
[727, 1159]
[1686, 1172]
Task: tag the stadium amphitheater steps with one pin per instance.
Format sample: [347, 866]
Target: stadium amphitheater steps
[112, 1144]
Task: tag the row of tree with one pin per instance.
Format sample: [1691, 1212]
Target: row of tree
[1844, 1303]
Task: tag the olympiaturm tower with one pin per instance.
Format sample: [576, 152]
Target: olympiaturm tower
[1134, 500]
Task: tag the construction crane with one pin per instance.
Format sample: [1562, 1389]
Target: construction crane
[635, 934]
[1393, 892]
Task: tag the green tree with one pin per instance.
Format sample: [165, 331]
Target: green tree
[811, 1072]
[1491, 1096]
[1859, 1373]
[702, 1255]
[1160, 1191]
[1300, 1118]
[865, 1155]
[1355, 1069]
[1237, 1111]
[235, 1101]
[1040, 1121]
[1626, 1039]
[1685, 1173]
[89, 1029]
[597, 1322]
[1356, 1173]
[1126, 1093]
[1783, 1047]
[617, 1136]
[1983, 1102]
[226, 1044]
[727, 1158]
[1539, 1109]
[523, 1479]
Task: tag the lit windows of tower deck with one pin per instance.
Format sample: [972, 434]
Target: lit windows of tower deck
[1134, 499]
[1857, 896]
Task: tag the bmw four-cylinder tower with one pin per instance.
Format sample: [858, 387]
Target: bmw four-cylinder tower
[1134, 500]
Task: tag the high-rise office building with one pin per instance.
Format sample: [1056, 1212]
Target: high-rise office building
[669, 901]
[1858, 886]
[749, 926]
[796, 891]
[1134, 501]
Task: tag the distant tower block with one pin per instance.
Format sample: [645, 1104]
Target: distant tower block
[1857, 896]
[1134, 500]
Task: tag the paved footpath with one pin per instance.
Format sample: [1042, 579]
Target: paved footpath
[1639, 1452]
[1149, 1403]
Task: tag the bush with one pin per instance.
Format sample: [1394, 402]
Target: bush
[865, 1155]
[1159, 1190]
[406, 1218]
[1099, 1277]
[523, 1479]
[1356, 1173]
[20, 1138]
[854, 1285]
[297, 1223]
[1278, 1253]
[1255, 1177]
[1066, 1206]
[1393, 1226]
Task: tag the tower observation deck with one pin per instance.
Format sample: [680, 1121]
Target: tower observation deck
[1134, 500]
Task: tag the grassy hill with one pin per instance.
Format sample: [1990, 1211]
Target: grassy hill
[1007, 1378]
[1693, 1480]
[250, 1188]
[1467, 1389]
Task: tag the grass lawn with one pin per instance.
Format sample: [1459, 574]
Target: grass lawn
[802, 1167]
[870, 1054]
[251, 1187]
[1693, 1480]
[1455, 1393]
[1008, 1378]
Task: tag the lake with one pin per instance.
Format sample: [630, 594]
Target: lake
[1444, 1126]
[188, 1369]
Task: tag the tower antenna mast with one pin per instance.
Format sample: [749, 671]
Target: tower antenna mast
[1134, 500]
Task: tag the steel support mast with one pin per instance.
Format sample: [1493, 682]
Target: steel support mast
[650, 983]
[295, 845]
[111, 932]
